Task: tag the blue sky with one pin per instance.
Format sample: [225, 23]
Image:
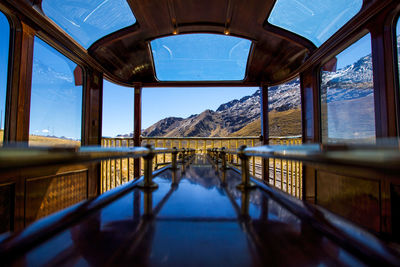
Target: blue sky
[4, 43]
[200, 57]
[316, 20]
[53, 114]
[158, 103]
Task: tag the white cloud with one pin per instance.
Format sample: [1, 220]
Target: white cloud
[45, 131]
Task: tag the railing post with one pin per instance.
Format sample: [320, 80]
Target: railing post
[264, 130]
[245, 203]
[137, 127]
[174, 154]
[148, 170]
[183, 160]
[164, 153]
[244, 160]
[148, 203]
[223, 159]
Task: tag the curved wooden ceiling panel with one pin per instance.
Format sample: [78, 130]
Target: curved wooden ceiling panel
[276, 54]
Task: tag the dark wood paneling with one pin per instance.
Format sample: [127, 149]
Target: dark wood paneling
[6, 208]
[395, 210]
[309, 175]
[356, 199]
[92, 123]
[47, 195]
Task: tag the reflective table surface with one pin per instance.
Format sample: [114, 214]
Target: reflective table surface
[194, 218]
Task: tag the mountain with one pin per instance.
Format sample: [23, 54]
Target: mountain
[342, 90]
[229, 117]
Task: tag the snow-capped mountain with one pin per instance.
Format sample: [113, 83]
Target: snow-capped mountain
[341, 88]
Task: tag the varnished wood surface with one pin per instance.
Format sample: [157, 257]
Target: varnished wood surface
[385, 159]
[195, 218]
[19, 158]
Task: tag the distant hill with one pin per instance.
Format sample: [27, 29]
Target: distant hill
[241, 117]
[230, 117]
[37, 140]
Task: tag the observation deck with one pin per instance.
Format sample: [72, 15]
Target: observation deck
[196, 216]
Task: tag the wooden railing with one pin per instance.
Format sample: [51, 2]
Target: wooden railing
[283, 174]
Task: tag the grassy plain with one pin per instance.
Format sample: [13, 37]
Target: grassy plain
[284, 123]
[37, 140]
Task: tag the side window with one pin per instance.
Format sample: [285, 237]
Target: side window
[56, 102]
[284, 111]
[398, 45]
[117, 110]
[4, 50]
[347, 96]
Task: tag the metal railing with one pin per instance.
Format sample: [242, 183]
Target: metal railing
[287, 175]
[115, 172]
[289, 179]
[118, 171]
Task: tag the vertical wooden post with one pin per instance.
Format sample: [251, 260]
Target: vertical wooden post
[92, 121]
[264, 129]
[137, 127]
[311, 127]
[19, 91]
[385, 93]
[18, 104]
[386, 97]
[310, 106]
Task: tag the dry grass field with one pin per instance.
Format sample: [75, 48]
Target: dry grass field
[36, 140]
[284, 123]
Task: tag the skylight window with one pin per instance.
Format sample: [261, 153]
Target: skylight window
[88, 21]
[315, 20]
[200, 57]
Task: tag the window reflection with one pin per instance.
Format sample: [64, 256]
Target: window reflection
[347, 96]
[88, 21]
[56, 101]
[316, 20]
[4, 48]
[200, 57]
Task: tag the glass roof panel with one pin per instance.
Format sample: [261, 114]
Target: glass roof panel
[88, 21]
[315, 20]
[200, 57]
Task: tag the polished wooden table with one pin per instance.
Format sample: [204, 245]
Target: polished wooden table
[196, 217]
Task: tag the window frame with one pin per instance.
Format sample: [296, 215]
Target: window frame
[249, 56]
[318, 67]
[396, 67]
[83, 85]
[7, 100]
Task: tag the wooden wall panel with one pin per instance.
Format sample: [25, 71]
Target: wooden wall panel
[47, 195]
[6, 208]
[395, 210]
[357, 199]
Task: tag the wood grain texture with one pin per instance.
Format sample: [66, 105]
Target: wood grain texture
[46, 195]
[354, 198]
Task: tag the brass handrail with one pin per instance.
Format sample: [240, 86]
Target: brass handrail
[385, 159]
[17, 158]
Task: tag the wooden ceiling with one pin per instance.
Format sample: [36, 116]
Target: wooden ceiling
[275, 56]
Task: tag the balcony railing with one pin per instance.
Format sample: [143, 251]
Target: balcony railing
[283, 174]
